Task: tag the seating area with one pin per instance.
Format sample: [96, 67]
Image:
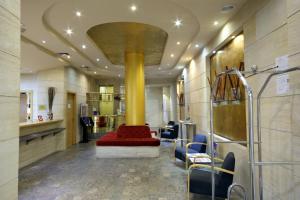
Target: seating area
[128, 141]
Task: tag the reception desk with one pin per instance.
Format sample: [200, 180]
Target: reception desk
[40, 139]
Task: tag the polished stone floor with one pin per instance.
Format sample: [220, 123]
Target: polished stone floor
[76, 174]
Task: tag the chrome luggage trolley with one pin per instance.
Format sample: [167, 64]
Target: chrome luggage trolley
[249, 93]
[260, 162]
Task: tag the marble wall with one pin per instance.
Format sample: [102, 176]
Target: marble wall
[271, 29]
[9, 97]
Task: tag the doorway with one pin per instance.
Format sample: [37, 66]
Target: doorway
[71, 113]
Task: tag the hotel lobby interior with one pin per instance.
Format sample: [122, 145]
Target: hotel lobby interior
[150, 99]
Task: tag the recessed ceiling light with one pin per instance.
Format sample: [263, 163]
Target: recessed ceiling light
[119, 75]
[197, 45]
[178, 43]
[44, 42]
[95, 72]
[69, 31]
[159, 68]
[172, 55]
[232, 37]
[82, 66]
[98, 59]
[133, 8]
[83, 46]
[68, 56]
[106, 67]
[214, 52]
[78, 13]
[216, 23]
[178, 23]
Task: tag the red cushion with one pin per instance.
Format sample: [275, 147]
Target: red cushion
[111, 139]
[134, 132]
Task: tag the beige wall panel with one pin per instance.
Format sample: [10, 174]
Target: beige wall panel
[293, 34]
[9, 156]
[249, 29]
[9, 33]
[270, 18]
[263, 52]
[9, 191]
[293, 6]
[9, 76]
[9, 119]
[12, 6]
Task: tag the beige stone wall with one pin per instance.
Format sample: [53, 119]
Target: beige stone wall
[271, 29]
[9, 97]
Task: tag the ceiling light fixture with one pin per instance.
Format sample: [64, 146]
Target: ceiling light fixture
[106, 67]
[68, 56]
[197, 45]
[83, 46]
[119, 75]
[172, 55]
[133, 8]
[178, 23]
[98, 59]
[214, 52]
[178, 43]
[232, 37]
[69, 31]
[78, 13]
[216, 23]
[83, 66]
[44, 42]
[159, 68]
[95, 72]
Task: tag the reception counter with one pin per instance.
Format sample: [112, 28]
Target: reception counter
[40, 139]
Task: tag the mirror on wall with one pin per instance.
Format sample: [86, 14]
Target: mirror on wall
[25, 106]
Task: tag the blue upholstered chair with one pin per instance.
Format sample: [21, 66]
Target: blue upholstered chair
[199, 177]
[197, 145]
[170, 133]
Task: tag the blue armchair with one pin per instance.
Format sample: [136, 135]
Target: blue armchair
[199, 179]
[171, 133]
[198, 145]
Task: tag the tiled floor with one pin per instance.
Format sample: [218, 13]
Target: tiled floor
[76, 174]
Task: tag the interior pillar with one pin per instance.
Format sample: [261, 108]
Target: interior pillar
[134, 89]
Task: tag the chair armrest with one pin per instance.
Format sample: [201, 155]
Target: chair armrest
[210, 167]
[155, 132]
[203, 156]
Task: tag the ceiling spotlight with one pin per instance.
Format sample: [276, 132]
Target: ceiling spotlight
[172, 55]
[159, 68]
[44, 42]
[106, 67]
[78, 13]
[232, 37]
[214, 52]
[133, 8]
[178, 43]
[83, 66]
[69, 31]
[95, 72]
[178, 23]
[119, 75]
[83, 46]
[216, 23]
[98, 59]
[68, 56]
[197, 45]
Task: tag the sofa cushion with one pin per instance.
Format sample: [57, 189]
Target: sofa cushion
[112, 139]
[134, 132]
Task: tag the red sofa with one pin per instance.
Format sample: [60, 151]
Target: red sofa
[129, 136]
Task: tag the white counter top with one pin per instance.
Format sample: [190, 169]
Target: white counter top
[38, 123]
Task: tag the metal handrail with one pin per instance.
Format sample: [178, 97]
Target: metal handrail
[260, 164]
[232, 186]
[248, 89]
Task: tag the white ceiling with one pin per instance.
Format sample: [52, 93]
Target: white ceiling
[48, 19]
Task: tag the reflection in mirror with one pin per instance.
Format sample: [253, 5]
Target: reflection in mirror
[25, 106]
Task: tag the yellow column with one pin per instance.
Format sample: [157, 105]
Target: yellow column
[135, 89]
